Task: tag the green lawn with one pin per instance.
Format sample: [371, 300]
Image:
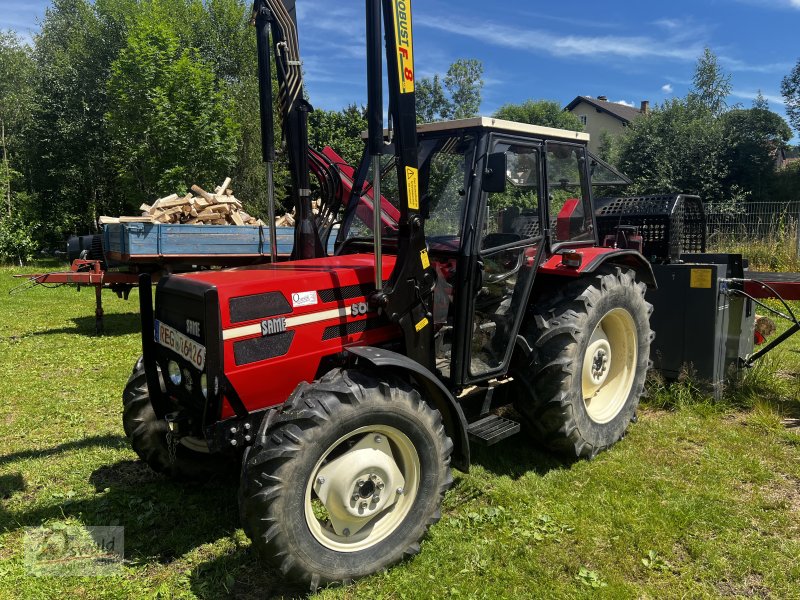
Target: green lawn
[700, 499]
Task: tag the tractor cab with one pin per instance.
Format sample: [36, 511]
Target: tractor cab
[498, 199]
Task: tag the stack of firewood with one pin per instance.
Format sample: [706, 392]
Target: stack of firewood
[287, 220]
[198, 208]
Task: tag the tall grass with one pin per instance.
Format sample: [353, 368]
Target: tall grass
[775, 251]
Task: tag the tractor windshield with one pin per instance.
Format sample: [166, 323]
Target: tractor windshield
[445, 164]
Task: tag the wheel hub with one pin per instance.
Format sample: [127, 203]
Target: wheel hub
[354, 487]
[597, 362]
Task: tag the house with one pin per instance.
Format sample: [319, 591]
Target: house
[598, 115]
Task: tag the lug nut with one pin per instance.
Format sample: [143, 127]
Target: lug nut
[320, 480]
[381, 485]
[356, 497]
[373, 477]
[233, 429]
[378, 439]
[376, 498]
[363, 504]
[247, 426]
[234, 442]
[400, 490]
[346, 532]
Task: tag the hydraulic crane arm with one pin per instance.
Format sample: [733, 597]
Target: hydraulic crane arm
[278, 18]
[407, 298]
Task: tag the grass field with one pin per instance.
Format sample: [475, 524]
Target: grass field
[699, 500]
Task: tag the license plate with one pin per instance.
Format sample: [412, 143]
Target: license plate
[177, 342]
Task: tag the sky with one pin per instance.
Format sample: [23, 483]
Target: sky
[627, 51]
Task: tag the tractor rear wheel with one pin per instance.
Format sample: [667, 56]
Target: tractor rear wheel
[581, 386]
[348, 479]
[184, 459]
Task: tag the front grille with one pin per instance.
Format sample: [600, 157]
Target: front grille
[351, 328]
[258, 306]
[358, 290]
[262, 348]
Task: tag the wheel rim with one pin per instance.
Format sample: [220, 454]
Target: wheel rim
[195, 444]
[362, 488]
[609, 365]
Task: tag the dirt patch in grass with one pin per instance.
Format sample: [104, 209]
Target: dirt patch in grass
[752, 586]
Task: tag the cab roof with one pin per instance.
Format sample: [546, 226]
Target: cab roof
[501, 125]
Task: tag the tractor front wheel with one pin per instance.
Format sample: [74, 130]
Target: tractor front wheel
[581, 386]
[348, 479]
[183, 459]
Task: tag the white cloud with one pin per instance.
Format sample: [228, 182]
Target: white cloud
[747, 95]
[734, 64]
[624, 103]
[667, 88]
[565, 45]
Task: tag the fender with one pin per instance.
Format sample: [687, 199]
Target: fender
[594, 258]
[455, 423]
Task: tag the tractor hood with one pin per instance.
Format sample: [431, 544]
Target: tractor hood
[298, 288]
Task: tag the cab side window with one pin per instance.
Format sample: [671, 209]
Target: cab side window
[514, 214]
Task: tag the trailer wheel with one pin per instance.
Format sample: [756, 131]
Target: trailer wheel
[148, 436]
[347, 481]
[582, 384]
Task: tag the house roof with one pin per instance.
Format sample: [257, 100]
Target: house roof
[624, 113]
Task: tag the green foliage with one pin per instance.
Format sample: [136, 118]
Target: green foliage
[341, 130]
[71, 168]
[170, 123]
[463, 82]
[695, 145]
[17, 239]
[678, 147]
[790, 88]
[710, 85]
[589, 578]
[16, 99]
[431, 100]
[753, 139]
[546, 113]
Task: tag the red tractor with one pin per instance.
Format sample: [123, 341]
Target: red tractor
[338, 381]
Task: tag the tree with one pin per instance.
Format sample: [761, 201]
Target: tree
[678, 147]
[790, 88]
[341, 130]
[546, 113]
[710, 85]
[463, 83]
[431, 100]
[753, 137]
[170, 123]
[70, 154]
[16, 73]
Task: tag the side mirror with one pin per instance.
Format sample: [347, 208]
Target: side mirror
[494, 176]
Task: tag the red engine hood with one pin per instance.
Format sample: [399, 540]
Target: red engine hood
[299, 281]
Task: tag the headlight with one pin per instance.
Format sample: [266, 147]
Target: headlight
[187, 380]
[174, 372]
[204, 385]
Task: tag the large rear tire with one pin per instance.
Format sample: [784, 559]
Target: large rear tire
[580, 388]
[148, 436]
[348, 479]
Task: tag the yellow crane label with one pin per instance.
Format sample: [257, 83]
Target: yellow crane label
[405, 47]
